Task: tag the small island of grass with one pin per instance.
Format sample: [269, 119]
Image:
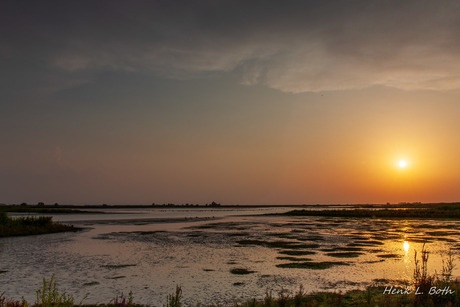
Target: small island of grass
[26, 226]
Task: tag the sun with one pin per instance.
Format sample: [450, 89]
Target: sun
[402, 163]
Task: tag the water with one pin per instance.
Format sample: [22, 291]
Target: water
[150, 251]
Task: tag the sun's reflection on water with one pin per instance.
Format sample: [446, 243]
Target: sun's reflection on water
[406, 247]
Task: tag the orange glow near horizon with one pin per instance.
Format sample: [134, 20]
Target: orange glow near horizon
[381, 170]
[300, 161]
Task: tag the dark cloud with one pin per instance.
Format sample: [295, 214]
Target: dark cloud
[293, 46]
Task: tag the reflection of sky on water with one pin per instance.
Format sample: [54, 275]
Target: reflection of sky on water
[200, 258]
[156, 214]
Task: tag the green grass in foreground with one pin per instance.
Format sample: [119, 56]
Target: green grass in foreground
[25, 226]
[49, 296]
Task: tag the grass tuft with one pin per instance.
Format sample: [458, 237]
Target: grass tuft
[174, 300]
[241, 271]
[310, 265]
[344, 254]
[49, 296]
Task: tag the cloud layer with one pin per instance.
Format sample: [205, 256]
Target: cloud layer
[297, 46]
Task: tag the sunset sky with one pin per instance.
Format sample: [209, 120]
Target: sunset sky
[239, 102]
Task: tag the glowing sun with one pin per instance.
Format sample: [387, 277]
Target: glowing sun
[402, 163]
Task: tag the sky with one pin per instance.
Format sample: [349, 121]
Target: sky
[238, 102]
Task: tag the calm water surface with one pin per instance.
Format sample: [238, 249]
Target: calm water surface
[150, 251]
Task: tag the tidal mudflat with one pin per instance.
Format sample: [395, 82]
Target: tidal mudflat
[220, 255]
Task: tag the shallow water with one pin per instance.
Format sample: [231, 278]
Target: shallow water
[150, 251]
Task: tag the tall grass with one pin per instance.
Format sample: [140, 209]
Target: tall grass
[428, 285]
[122, 301]
[49, 296]
[174, 300]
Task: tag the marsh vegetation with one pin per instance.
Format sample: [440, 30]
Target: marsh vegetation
[321, 253]
[24, 226]
[424, 290]
[425, 211]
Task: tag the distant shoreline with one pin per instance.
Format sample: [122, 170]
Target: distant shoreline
[423, 211]
[80, 208]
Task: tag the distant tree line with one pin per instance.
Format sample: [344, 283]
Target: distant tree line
[213, 204]
[39, 204]
[42, 204]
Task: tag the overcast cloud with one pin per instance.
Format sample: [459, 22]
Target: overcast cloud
[298, 46]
